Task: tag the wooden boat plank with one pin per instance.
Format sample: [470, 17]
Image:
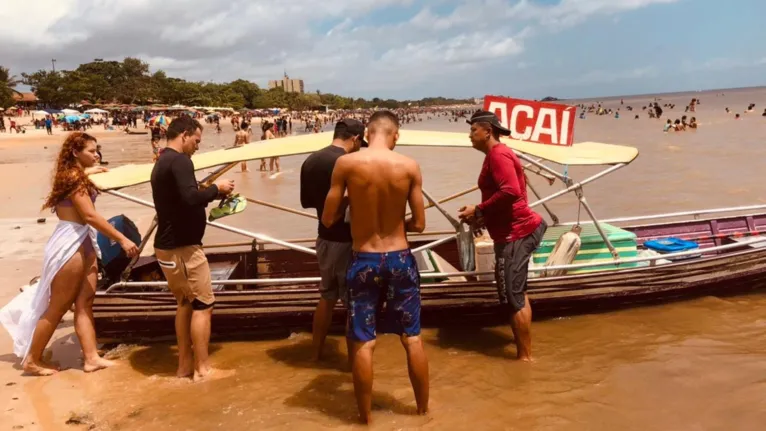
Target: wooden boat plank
[269, 308]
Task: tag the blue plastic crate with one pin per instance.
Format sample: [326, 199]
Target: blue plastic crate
[673, 245]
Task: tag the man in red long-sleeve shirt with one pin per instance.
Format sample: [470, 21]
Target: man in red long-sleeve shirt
[504, 211]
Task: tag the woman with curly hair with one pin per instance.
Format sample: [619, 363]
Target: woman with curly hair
[69, 265]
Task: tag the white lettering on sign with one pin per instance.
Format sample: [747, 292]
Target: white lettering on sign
[524, 136]
[502, 115]
[540, 129]
[532, 121]
[565, 126]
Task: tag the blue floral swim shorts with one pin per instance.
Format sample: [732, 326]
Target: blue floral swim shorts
[377, 279]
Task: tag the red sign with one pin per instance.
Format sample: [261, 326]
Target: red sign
[540, 122]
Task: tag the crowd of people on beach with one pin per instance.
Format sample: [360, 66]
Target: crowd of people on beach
[362, 248]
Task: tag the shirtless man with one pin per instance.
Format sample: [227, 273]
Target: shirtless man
[380, 183]
[240, 139]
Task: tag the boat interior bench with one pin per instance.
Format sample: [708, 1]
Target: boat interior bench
[759, 244]
[222, 270]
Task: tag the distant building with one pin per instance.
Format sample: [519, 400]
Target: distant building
[287, 84]
[25, 99]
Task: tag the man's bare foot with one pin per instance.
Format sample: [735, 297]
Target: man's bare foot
[365, 419]
[42, 369]
[97, 364]
[185, 372]
[212, 374]
[525, 358]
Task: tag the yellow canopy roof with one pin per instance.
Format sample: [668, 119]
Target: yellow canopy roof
[586, 153]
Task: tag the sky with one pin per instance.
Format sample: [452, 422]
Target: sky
[407, 49]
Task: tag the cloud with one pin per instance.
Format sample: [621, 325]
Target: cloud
[395, 48]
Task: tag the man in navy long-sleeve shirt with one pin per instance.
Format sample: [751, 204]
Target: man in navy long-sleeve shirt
[504, 211]
[180, 206]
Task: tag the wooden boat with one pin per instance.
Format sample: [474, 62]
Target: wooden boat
[270, 285]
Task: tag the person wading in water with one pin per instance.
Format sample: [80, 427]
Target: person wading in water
[515, 229]
[380, 184]
[333, 245]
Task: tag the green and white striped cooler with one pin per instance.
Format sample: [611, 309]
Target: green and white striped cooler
[593, 248]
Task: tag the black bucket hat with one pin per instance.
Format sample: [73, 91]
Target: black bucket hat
[488, 117]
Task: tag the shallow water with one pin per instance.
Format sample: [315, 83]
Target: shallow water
[691, 365]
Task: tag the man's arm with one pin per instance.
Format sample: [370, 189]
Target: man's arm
[416, 223]
[183, 172]
[333, 208]
[504, 175]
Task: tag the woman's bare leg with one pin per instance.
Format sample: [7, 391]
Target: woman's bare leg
[83, 318]
[64, 289]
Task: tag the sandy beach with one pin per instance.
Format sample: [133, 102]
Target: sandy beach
[692, 365]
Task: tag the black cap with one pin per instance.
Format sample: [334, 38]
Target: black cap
[352, 126]
[488, 117]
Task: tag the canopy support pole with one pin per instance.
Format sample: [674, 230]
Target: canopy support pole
[433, 244]
[260, 237]
[449, 198]
[584, 203]
[571, 188]
[208, 180]
[126, 273]
[281, 208]
[537, 195]
[551, 179]
[558, 175]
[575, 186]
[453, 222]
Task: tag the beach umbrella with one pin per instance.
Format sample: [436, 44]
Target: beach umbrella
[96, 111]
[72, 118]
[159, 119]
[43, 113]
[70, 112]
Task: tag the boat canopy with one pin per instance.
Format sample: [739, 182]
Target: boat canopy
[586, 153]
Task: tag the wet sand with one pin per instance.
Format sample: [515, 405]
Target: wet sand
[691, 365]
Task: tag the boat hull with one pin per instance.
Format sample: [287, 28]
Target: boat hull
[265, 310]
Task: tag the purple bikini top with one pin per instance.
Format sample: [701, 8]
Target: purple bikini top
[68, 202]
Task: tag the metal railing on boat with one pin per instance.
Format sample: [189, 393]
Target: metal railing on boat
[299, 280]
[675, 214]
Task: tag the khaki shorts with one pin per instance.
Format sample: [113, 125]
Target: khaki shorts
[188, 274]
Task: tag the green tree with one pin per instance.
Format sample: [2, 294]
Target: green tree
[248, 90]
[129, 81]
[8, 85]
[48, 86]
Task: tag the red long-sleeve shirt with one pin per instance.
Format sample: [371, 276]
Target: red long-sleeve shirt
[507, 215]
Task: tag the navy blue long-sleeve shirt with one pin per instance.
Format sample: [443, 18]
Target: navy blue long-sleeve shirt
[179, 203]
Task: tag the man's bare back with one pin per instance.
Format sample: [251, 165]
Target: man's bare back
[380, 182]
[240, 138]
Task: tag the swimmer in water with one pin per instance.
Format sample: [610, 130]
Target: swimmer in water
[380, 184]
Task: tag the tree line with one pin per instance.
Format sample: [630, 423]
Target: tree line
[130, 82]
